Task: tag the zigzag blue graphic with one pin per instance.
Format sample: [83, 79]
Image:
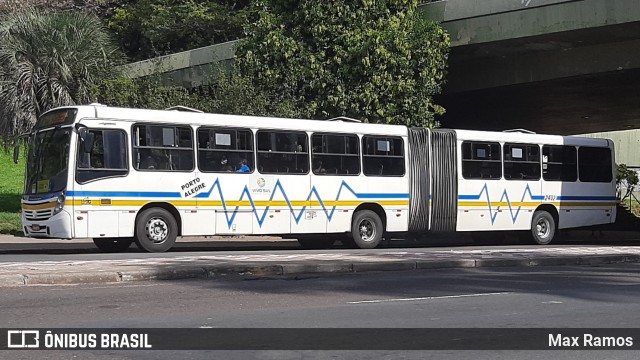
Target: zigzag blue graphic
[505, 195]
[278, 185]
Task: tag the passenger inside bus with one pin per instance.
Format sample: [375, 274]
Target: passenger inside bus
[243, 167]
[224, 164]
[148, 163]
[319, 169]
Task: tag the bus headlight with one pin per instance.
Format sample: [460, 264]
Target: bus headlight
[59, 204]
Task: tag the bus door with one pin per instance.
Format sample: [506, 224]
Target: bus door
[101, 169]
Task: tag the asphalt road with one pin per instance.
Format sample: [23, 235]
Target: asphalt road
[591, 297]
[20, 249]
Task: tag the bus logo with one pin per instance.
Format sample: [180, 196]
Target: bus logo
[261, 182]
[22, 339]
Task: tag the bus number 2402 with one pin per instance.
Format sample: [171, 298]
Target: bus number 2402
[549, 198]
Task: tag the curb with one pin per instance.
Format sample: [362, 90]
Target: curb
[270, 270]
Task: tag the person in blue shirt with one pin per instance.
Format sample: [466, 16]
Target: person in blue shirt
[243, 166]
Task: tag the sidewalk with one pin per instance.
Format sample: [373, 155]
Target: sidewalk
[286, 263]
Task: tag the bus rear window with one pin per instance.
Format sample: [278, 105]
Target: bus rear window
[594, 164]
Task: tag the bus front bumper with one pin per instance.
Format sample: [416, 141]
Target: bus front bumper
[58, 226]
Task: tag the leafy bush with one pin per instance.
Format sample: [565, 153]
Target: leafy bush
[379, 61]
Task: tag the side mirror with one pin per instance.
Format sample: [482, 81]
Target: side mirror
[88, 142]
[16, 153]
[86, 137]
[16, 147]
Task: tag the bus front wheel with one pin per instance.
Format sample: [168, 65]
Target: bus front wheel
[366, 229]
[113, 245]
[543, 227]
[156, 230]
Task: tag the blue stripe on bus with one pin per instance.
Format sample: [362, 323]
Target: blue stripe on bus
[477, 197]
[588, 198]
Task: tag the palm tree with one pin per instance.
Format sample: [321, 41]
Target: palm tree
[49, 59]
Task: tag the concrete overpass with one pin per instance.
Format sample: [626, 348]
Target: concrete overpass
[556, 66]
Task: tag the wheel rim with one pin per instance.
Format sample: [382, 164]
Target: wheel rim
[543, 228]
[367, 230]
[157, 230]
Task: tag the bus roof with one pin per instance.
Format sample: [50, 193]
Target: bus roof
[517, 137]
[207, 119]
[194, 118]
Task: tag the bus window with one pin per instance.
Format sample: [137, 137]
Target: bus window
[521, 162]
[481, 160]
[559, 163]
[223, 149]
[107, 158]
[282, 152]
[382, 156]
[594, 164]
[162, 148]
[335, 154]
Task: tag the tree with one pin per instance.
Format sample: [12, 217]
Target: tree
[379, 61]
[228, 93]
[48, 59]
[13, 5]
[149, 28]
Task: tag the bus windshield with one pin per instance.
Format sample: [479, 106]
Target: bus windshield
[47, 161]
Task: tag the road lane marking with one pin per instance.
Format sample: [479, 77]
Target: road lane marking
[427, 298]
[114, 285]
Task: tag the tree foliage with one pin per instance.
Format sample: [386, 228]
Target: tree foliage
[229, 93]
[623, 173]
[48, 59]
[142, 93]
[379, 61]
[149, 28]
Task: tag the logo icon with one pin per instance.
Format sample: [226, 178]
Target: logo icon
[261, 182]
[23, 339]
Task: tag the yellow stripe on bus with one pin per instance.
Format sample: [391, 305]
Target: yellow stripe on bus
[48, 205]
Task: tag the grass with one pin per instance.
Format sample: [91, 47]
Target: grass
[11, 183]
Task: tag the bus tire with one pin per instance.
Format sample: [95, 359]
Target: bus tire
[113, 245]
[543, 227]
[366, 229]
[156, 230]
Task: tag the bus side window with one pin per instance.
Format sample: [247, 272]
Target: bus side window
[335, 154]
[481, 160]
[108, 157]
[282, 152]
[559, 163]
[163, 148]
[382, 156]
[521, 162]
[223, 149]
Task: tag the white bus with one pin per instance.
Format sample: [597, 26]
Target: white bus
[121, 175]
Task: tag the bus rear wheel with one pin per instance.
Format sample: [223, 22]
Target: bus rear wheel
[366, 229]
[543, 227]
[156, 230]
[113, 245]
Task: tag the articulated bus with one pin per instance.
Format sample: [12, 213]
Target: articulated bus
[121, 175]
